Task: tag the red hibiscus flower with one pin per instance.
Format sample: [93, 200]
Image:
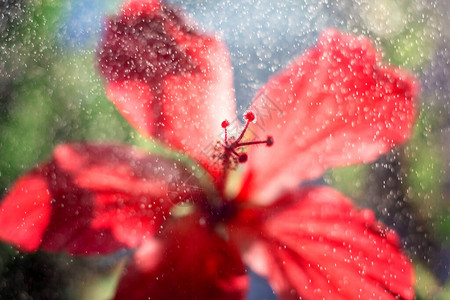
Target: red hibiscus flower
[335, 105]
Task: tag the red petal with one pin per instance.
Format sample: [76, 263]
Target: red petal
[315, 244]
[167, 79]
[189, 261]
[336, 105]
[25, 213]
[93, 199]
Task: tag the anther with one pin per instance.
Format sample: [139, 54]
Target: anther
[269, 141]
[242, 158]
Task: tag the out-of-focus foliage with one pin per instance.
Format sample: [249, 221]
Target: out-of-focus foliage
[51, 95]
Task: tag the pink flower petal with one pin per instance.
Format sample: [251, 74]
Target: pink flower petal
[315, 244]
[93, 199]
[335, 105]
[167, 79]
[188, 261]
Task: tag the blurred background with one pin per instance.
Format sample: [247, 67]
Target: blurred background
[51, 93]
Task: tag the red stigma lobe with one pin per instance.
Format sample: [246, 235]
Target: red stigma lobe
[249, 116]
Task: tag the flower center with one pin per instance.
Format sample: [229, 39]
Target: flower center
[231, 146]
[231, 153]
